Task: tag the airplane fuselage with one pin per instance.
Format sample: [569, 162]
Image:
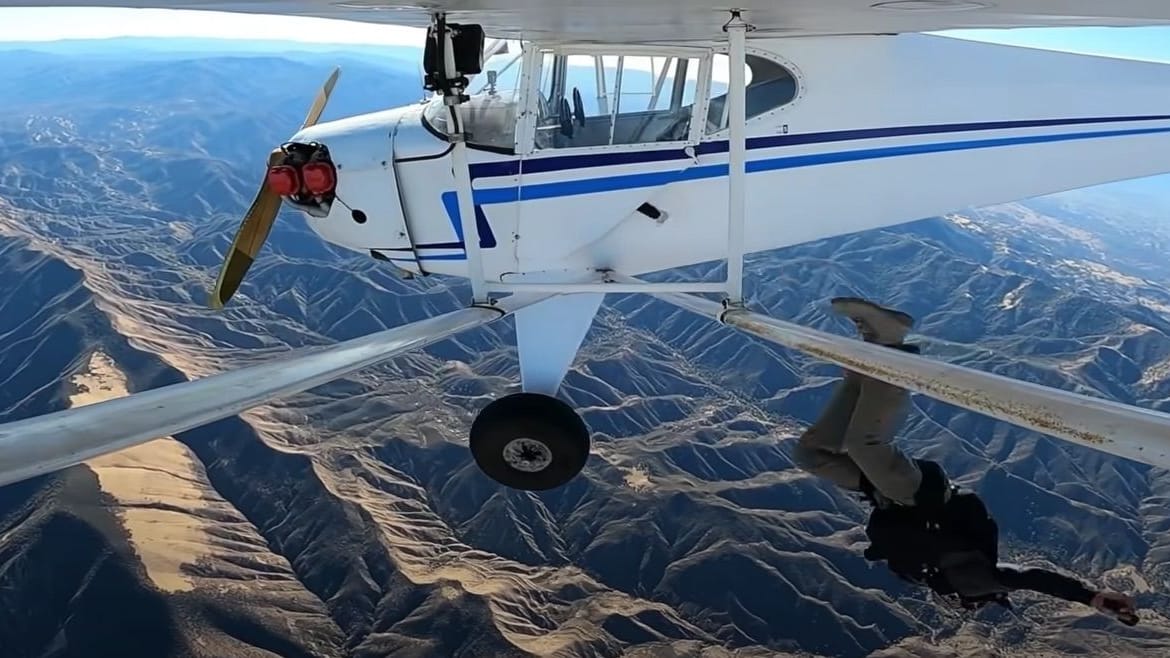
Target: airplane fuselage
[844, 134]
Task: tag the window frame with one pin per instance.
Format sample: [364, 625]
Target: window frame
[521, 90]
[534, 69]
[771, 56]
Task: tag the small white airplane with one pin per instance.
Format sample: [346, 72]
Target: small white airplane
[595, 141]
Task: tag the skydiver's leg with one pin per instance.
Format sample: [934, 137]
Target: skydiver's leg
[869, 439]
[880, 407]
[821, 449]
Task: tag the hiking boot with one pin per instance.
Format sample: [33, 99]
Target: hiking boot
[875, 324]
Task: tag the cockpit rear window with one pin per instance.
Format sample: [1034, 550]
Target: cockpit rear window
[769, 86]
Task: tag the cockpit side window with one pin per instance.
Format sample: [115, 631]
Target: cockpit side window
[769, 86]
[608, 99]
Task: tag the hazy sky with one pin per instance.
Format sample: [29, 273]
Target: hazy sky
[46, 24]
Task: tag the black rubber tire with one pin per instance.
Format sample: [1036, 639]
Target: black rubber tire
[537, 417]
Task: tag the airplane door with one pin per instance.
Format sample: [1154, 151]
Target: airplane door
[610, 130]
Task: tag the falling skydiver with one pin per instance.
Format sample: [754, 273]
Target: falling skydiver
[927, 530]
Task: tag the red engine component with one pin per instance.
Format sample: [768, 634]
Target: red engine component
[320, 178]
[284, 180]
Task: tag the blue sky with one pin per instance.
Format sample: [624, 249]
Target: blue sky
[1148, 43]
[47, 24]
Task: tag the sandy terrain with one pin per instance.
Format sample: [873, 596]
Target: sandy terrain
[142, 480]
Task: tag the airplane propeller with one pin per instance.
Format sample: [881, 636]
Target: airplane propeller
[257, 222]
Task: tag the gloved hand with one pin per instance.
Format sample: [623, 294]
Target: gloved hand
[1116, 605]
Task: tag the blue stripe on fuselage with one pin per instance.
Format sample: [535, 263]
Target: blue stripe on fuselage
[590, 160]
[656, 179]
[487, 239]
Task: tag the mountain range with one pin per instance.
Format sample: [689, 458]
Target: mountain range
[351, 521]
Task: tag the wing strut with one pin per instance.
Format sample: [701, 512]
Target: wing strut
[1142, 435]
[736, 30]
[39, 445]
[452, 83]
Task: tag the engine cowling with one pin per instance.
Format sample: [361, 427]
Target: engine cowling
[363, 211]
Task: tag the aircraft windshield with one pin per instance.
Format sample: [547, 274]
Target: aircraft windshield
[490, 115]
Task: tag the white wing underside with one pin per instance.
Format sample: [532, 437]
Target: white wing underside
[35, 446]
[690, 20]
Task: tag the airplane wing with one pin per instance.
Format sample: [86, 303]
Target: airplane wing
[43, 444]
[676, 20]
[1142, 435]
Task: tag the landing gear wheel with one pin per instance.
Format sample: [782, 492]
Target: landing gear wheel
[529, 441]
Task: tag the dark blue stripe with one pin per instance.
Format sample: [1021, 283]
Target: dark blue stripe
[655, 179]
[443, 257]
[567, 162]
[432, 257]
[487, 239]
[588, 160]
[773, 141]
[439, 245]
